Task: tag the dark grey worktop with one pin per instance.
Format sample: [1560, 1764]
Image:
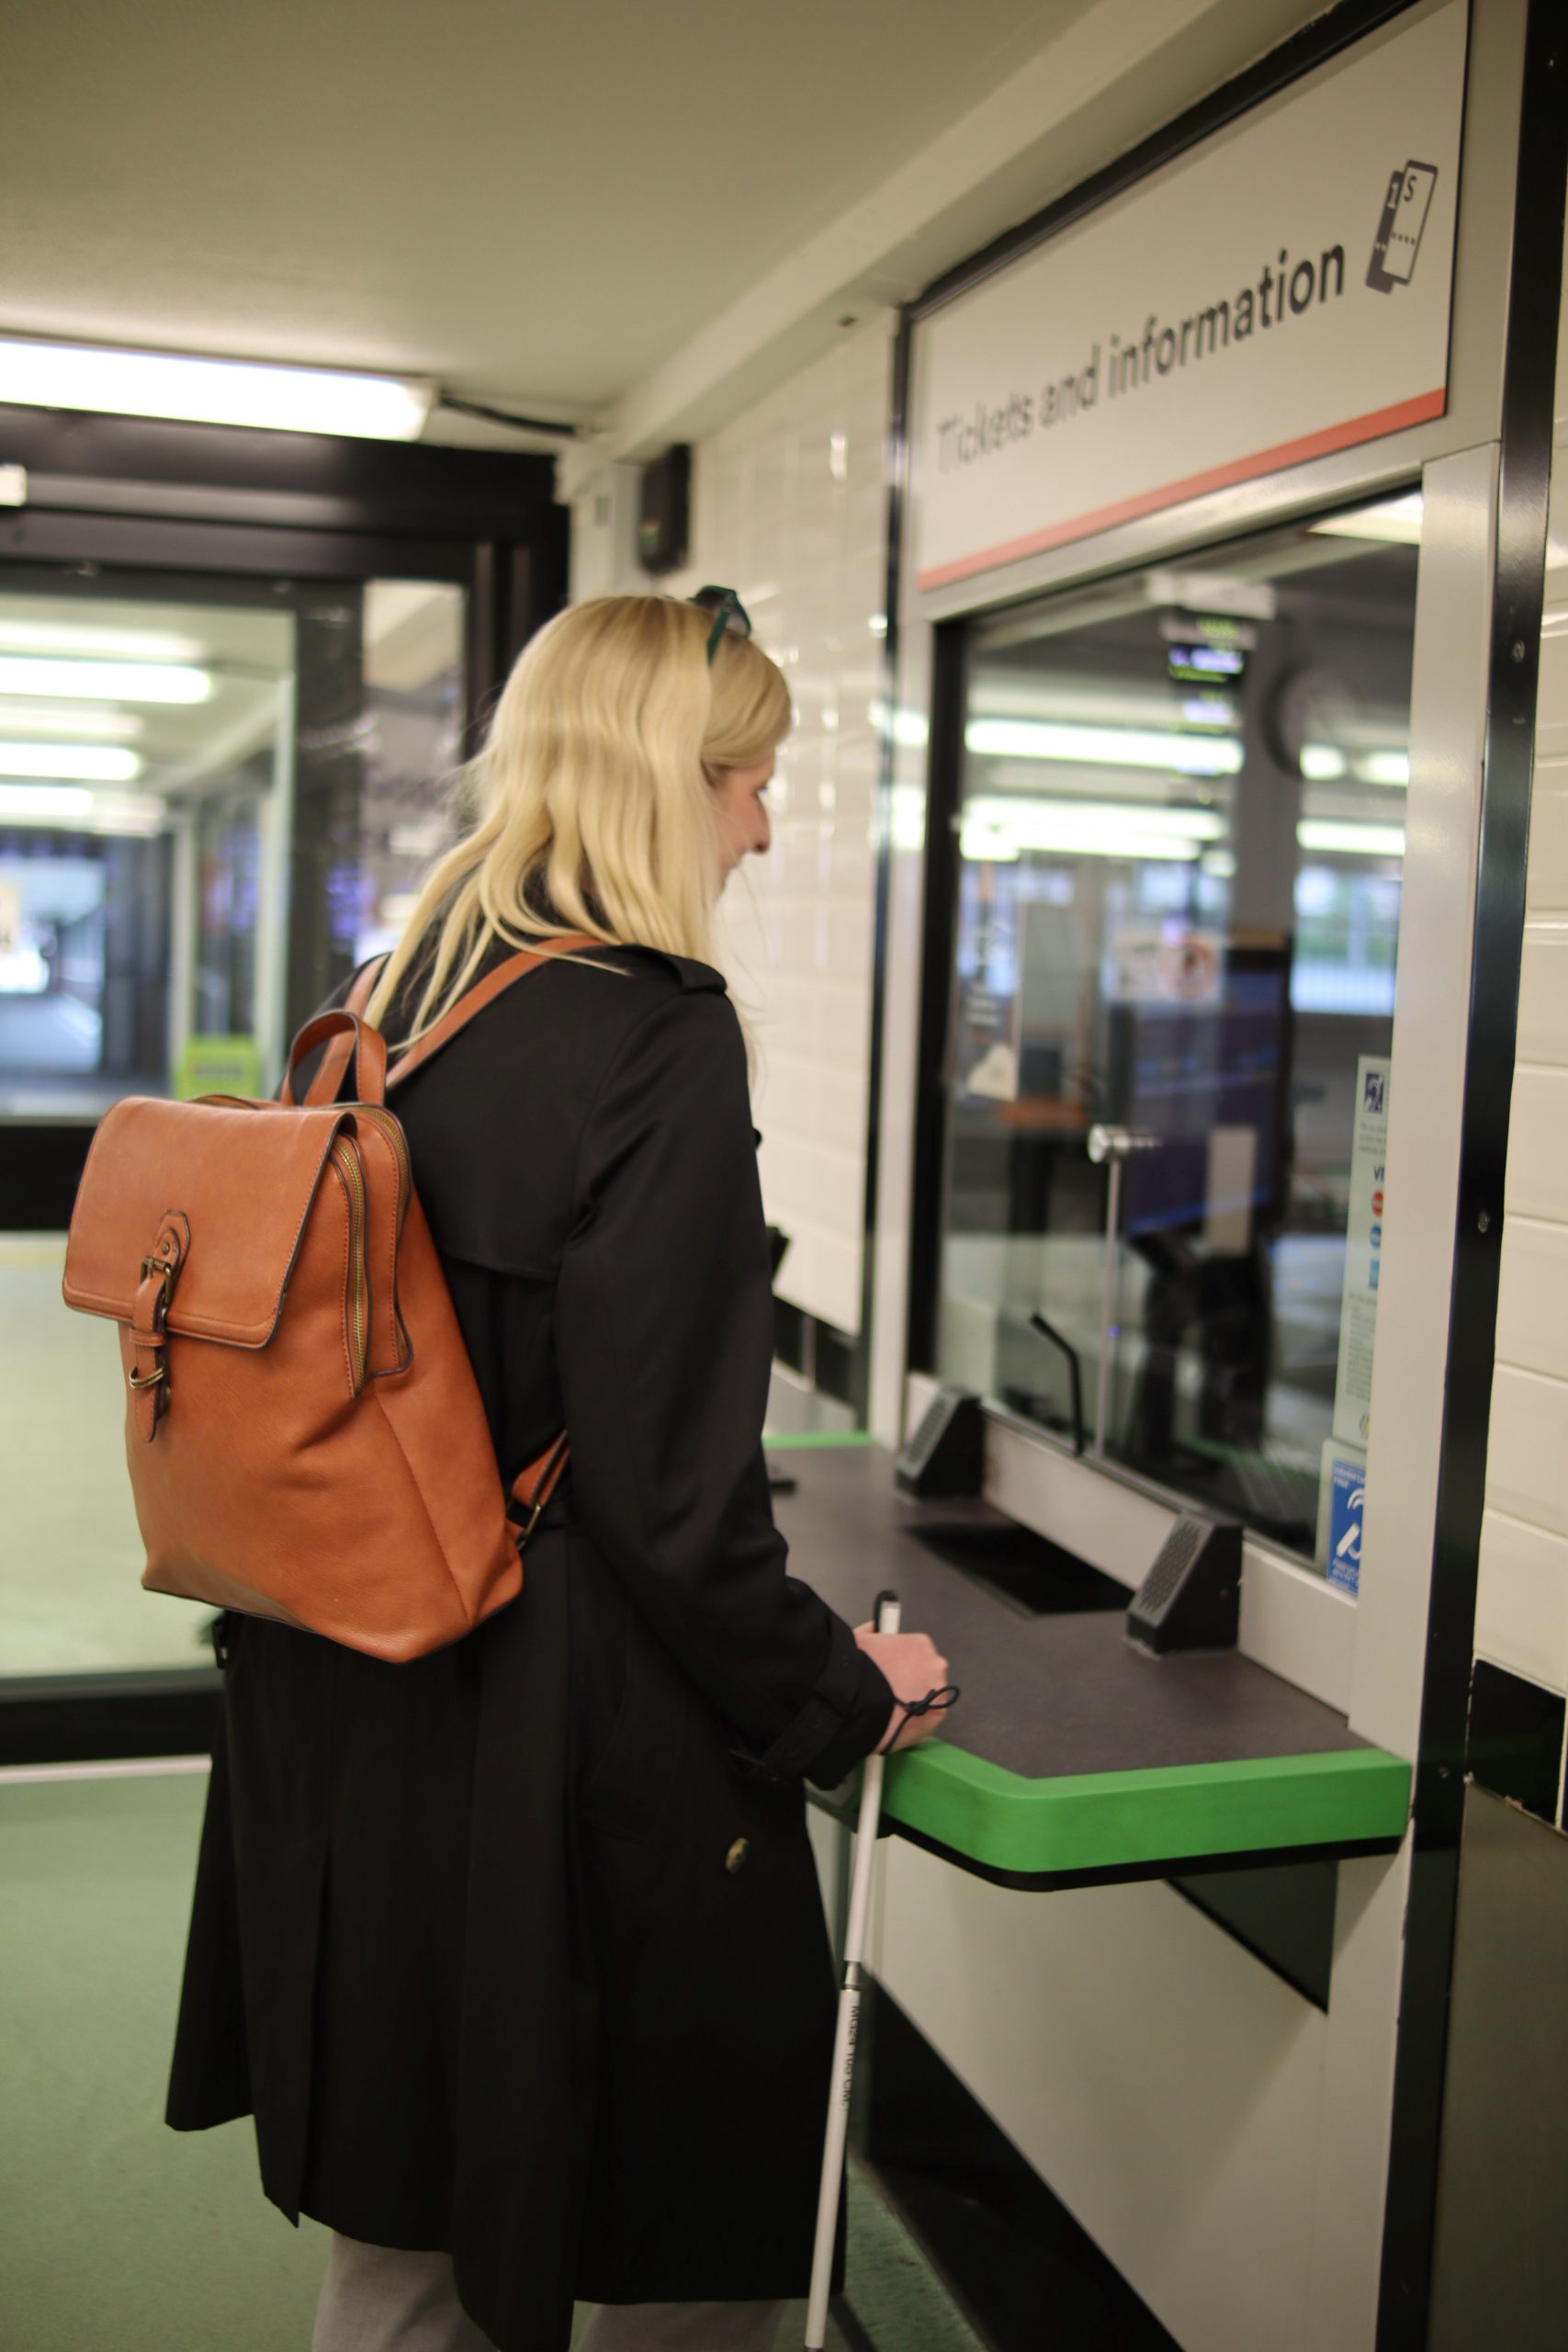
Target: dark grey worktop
[1051, 1689]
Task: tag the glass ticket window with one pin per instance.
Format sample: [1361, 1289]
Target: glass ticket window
[1181, 832]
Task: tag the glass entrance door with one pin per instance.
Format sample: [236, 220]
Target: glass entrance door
[215, 799]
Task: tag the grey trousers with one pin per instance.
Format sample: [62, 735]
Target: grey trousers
[376, 2299]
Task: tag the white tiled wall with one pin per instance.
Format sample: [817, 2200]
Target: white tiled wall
[789, 506]
[1522, 1606]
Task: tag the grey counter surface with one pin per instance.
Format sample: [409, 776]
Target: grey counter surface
[1050, 1687]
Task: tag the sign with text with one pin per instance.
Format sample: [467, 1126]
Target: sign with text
[1281, 292]
[1364, 1228]
[218, 1065]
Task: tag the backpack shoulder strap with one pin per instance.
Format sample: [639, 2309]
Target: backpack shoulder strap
[363, 987]
[474, 1000]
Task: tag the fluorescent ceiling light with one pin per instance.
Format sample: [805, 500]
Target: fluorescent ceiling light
[1382, 767]
[1354, 840]
[1021, 810]
[1322, 762]
[72, 808]
[908, 725]
[37, 673]
[1213, 593]
[987, 845]
[44, 800]
[1001, 828]
[69, 719]
[1114, 746]
[79, 763]
[1001, 844]
[1397, 519]
[70, 636]
[214, 392]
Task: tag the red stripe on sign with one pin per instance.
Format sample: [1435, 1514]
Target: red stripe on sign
[1370, 427]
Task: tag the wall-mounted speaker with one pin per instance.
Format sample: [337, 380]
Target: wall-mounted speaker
[665, 520]
[1190, 1598]
[946, 1454]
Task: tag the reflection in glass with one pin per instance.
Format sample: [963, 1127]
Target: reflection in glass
[1181, 835]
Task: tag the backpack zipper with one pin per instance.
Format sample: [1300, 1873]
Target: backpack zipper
[394, 1132]
[390, 1127]
[351, 1175]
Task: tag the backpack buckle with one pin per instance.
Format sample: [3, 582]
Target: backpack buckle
[150, 1269]
[147, 1376]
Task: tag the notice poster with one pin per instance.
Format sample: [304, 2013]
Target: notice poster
[987, 1034]
[1363, 1254]
[988, 1046]
[1154, 964]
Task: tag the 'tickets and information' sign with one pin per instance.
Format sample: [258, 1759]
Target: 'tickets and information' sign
[1281, 292]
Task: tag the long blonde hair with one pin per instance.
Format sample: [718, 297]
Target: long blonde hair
[593, 804]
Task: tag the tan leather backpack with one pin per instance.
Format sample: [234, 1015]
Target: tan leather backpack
[305, 1434]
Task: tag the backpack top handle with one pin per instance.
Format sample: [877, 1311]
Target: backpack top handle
[350, 1036]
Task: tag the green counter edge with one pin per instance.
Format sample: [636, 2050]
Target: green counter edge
[1089, 1821]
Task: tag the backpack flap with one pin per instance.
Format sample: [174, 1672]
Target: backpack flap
[218, 1191]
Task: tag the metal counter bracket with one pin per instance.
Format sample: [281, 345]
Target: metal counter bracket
[1113, 1145]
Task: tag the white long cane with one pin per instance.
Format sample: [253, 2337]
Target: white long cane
[849, 2024]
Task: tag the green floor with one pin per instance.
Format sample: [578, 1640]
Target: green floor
[118, 2236]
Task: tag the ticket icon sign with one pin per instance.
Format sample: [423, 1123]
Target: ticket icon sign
[1398, 240]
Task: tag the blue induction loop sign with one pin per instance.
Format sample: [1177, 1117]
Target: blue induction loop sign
[1347, 1501]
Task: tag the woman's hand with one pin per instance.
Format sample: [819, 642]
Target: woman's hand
[913, 1666]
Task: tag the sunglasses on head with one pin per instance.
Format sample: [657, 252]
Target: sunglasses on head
[729, 613]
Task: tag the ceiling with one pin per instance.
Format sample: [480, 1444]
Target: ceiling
[534, 204]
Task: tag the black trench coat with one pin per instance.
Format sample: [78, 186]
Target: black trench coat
[517, 1950]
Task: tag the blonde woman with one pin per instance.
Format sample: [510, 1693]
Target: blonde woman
[515, 1954]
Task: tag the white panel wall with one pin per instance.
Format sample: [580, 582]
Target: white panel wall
[789, 506]
[1522, 1606]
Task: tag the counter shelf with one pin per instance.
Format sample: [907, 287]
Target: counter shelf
[1074, 1758]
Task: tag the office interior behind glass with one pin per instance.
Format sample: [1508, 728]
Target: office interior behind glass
[1179, 815]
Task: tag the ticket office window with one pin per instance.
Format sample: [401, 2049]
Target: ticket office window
[1181, 832]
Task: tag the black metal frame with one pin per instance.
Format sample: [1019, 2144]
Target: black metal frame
[143, 493]
[153, 498]
[1496, 946]
[896, 470]
[93, 1718]
[938, 927]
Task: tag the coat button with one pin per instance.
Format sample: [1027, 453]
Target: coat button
[736, 1856]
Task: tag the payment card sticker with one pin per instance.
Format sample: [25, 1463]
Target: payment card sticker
[1347, 1505]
